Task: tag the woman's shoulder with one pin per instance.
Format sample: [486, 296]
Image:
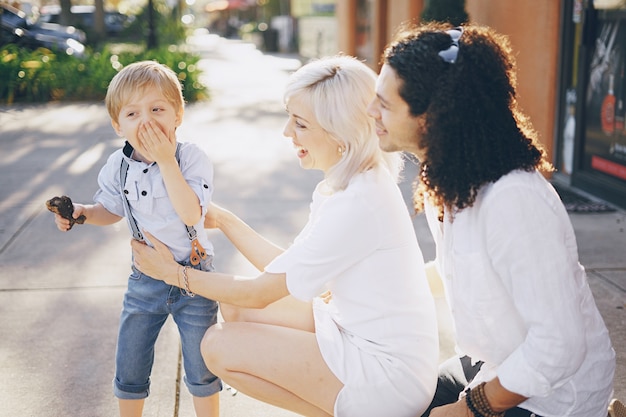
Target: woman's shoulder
[375, 178]
[371, 190]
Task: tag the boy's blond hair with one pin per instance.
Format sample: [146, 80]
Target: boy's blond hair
[137, 77]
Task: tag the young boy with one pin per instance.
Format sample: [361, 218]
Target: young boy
[161, 186]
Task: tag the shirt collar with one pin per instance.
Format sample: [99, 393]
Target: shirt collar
[128, 150]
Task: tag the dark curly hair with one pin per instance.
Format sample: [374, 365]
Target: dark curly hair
[474, 132]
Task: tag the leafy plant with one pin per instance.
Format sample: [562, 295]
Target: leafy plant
[42, 75]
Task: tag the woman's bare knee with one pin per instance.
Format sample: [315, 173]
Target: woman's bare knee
[210, 347]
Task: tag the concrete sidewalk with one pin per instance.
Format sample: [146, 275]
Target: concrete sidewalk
[61, 293]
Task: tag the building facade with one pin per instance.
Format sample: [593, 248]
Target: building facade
[570, 56]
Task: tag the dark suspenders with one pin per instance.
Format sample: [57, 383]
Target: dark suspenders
[197, 251]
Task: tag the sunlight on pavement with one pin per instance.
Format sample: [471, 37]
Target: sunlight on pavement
[87, 160]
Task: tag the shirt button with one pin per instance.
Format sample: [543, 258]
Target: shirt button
[205, 186]
[145, 171]
[144, 193]
[125, 191]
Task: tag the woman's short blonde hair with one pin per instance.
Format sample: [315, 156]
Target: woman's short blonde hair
[338, 90]
[138, 76]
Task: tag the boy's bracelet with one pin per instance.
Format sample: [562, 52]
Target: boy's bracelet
[185, 289]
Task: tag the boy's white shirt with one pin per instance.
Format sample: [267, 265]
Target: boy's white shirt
[153, 211]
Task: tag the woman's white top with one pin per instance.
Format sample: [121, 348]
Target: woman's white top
[520, 299]
[378, 334]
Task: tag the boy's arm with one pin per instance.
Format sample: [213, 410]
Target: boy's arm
[182, 196]
[159, 147]
[95, 214]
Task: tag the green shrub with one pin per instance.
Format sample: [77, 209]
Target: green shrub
[25, 74]
[43, 75]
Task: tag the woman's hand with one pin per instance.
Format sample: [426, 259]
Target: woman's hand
[211, 219]
[156, 262]
[457, 409]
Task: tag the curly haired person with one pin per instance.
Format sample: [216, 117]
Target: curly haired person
[530, 338]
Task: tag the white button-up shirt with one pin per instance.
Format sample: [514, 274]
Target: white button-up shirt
[148, 198]
[520, 298]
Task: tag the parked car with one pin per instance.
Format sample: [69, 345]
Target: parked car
[16, 28]
[83, 16]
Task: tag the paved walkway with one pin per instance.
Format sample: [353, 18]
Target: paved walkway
[60, 293]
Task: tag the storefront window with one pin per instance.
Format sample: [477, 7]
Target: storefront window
[571, 49]
[605, 133]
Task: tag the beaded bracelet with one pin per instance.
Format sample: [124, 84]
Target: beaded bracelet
[470, 405]
[478, 404]
[185, 290]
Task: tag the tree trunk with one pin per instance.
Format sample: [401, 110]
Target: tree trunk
[98, 20]
[152, 41]
[66, 12]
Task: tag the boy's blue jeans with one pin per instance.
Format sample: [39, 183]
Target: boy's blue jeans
[147, 304]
